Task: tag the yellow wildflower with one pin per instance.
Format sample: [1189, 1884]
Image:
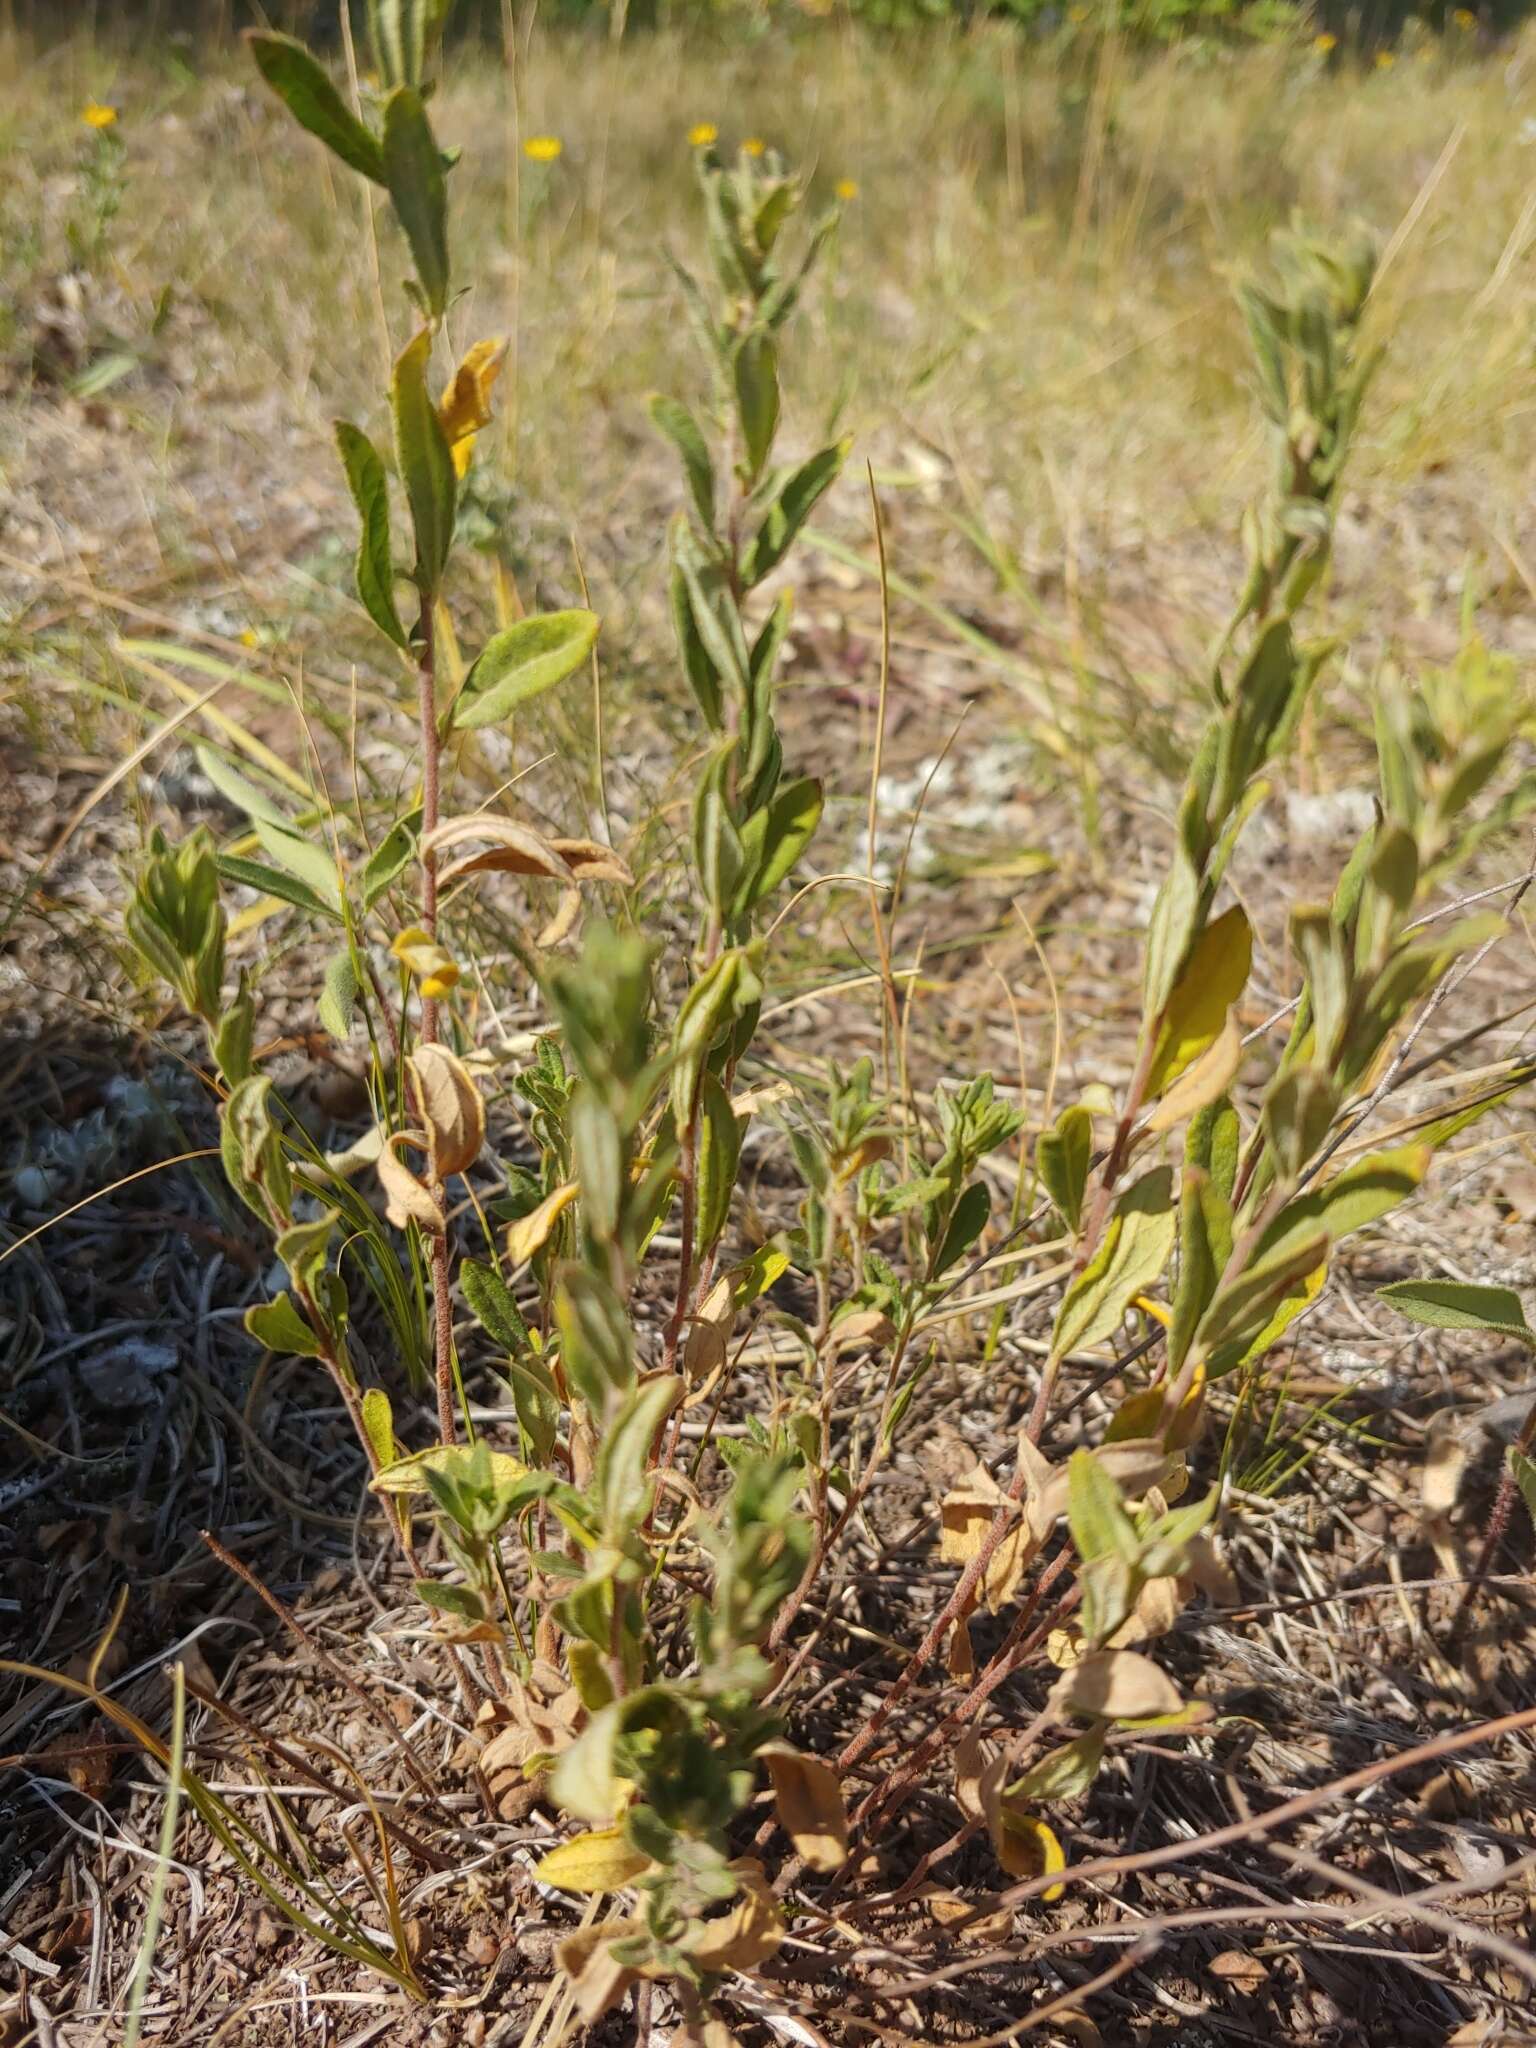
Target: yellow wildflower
[95, 115]
[1325, 44]
[1077, 16]
[702, 134]
[1385, 60]
[1464, 19]
[466, 403]
[249, 638]
[846, 189]
[420, 953]
[542, 149]
[753, 146]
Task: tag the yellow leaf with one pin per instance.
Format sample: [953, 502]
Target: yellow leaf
[599, 1862]
[466, 404]
[810, 1803]
[451, 1107]
[1214, 976]
[530, 1233]
[1204, 1081]
[1028, 1848]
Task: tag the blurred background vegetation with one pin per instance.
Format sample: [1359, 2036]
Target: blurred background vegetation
[1370, 25]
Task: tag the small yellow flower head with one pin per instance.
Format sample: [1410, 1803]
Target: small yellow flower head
[753, 146]
[249, 638]
[1385, 60]
[542, 149]
[1325, 44]
[95, 115]
[1465, 19]
[846, 190]
[702, 134]
[1077, 16]
[418, 952]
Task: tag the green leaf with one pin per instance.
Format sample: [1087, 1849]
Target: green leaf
[596, 1341]
[771, 849]
[425, 463]
[1096, 1513]
[1523, 1470]
[314, 102]
[278, 1326]
[967, 1221]
[232, 785]
[1351, 1200]
[703, 678]
[339, 994]
[463, 1602]
[791, 508]
[1205, 1245]
[715, 615]
[312, 865]
[418, 190]
[521, 663]
[682, 430]
[490, 1301]
[1061, 1158]
[1134, 1252]
[621, 1478]
[756, 371]
[390, 858]
[719, 1153]
[1064, 1773]
[1458, 1305]
[302, 1247]
[379, 1424]
[254, 874]
[375, 564]
[1239, 1310]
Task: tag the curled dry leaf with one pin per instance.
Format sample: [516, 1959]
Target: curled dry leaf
[466, 402]
[590, 861]
[746, 1935]
[407, 1199]
[1158, 1606]
[530, 1233]
[517, 849]
[948, 1909]
[563, 923]
[710, 1331]
[1445, 1461]
[966, 1515]
[810, 1803]
[866, 1329]
[597, 1981]
[451, 1107]
[1115, 1685]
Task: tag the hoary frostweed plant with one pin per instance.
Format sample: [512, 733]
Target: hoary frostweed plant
[556, 1554]
[650, 1723]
